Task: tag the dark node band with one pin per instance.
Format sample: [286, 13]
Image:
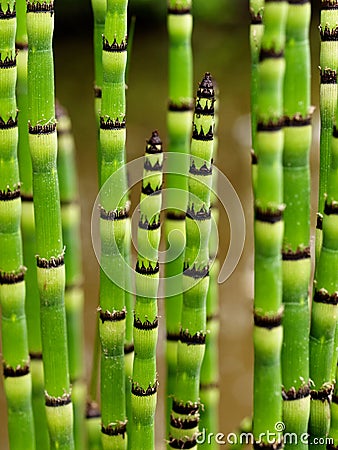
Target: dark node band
[15, 372]
[145, 225]
[97, 92]
[334, 399]
[272, 125]
[323, 296]
[186, 409]
[92, 410]
[115, 46]
[195, 339]
[322, 395]
[111, 124]
[298, 2]
[148, 190]
[201, 136]
[206, 87]
[147, 270]
[116, 430]
[182, 444]
[42, 129]
[293, 394]
[202, 214]
[146, 325]
[331, 208]
[180, 107]
[297, 121]
[108, 316]
[157, 167]
[184, 424]
[174, 337]
[207, 110]
[8, 195]
[137, 390]
[8, 14]
[26, 197]
[12, 277]
[209, 386]
[173, 215]
[256, 19]
[40, 7]
[329, 4]
[115, 214]
[195, 273]
[51, 263]
[204, 170]
[128, 348]
[10, 123]
[258, 445]
[21, 46]
[270, 53]
[268, 322]
[289, 255]
[7, 63]
[335, 132]
[269, 215]
[154, 144]
[328, 34]
[254, 158]
[37, 356]
[179, 10]
[57, 401]
[319, 224]
[328, 76]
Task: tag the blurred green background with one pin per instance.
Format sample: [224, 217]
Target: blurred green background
[220, 46]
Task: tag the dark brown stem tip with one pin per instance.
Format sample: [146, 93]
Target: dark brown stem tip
[115, 430]
[300, 253]
[11, 123]
[328, 34]
[206, 87]
[328, 76]
[323, 394]
[8, 14]
[12, 277]
[194, 272]
[114, 316]
[184, 424]
[8, 62]
[323, 296]
[187, 409]
[201, 135]
[268, 322]
[51, 263]
[203, 214]
[146, 325]
[151, 269]
[195, 339]
[15, 372]
[137, 390]
[40, 7]
[154, 144]
[54, 402]
[293, 394]
[115, 46]
[9, 194]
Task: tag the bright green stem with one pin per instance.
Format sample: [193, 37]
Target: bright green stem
[49, 248]
[185, 410]
[179, 131]
[93, 427]
[16, 364]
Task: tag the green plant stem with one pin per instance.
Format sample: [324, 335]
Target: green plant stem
[180, 114]
[144, 382]
[74, 296]
[268, 229]
[16, 363]
[49, 246]
[185, 409]
[93, 426]
[113, 227]
[296, 245]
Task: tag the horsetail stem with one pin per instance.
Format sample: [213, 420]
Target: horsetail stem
[74, 299]
[268, 229]
[185, 409]
[49, 246]
[32, 304]
[113, 226]
[179, 118]
[99, 11]
[16, 364]
[296, 245]
[93, 425]
[144, 382]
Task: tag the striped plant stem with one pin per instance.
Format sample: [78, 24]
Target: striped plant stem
[296, 245]
[209, 380]
[49, 246]
[99, 12]
[144, 382]
[32, 304]
[328, 100]
[15, 356]
[74, 296]
[268, 230]
[256, 33]
[180, 114]
[113, 227]
[186, 402]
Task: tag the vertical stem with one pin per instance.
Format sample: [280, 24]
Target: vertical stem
[16, 363]
[50, 251]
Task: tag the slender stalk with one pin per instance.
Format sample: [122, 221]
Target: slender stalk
[185, 409]
[49, 246]
[93, 426]
[99, 11]
[74, 296]
[180, 114]
[296, 245]
[268, 229]
[32, 305]
[113, 226]
[144, 383]
[16, 363]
